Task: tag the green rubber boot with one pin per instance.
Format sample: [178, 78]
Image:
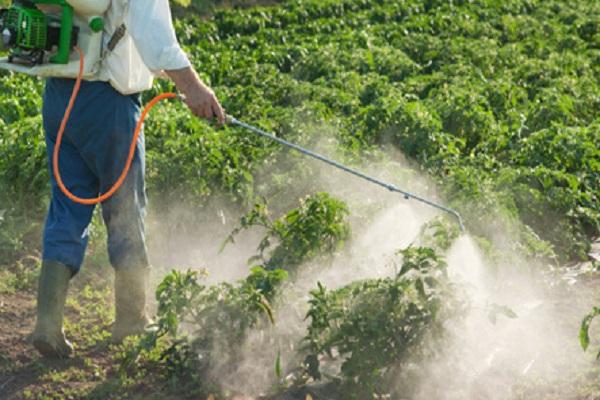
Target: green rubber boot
[48, 336]
[130, 303]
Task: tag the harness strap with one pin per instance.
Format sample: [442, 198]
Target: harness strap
[116, 37]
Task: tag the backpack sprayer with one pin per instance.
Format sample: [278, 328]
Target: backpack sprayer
[42, 44]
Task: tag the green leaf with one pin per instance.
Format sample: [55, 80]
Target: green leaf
[584, 331]
[278, 372]
[496, 309]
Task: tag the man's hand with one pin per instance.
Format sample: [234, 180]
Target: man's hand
[199, 98]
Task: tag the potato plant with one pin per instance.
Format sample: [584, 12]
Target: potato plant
[374, 328]
[198, 325]
[467, 90]
[200, 328]
[317, 226]
[496, 100]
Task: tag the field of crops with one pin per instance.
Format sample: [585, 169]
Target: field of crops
[491, 107]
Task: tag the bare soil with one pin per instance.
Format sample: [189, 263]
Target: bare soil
[92, 373]
[23, 373]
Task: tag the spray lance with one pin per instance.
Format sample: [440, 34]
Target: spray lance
[43, 45]
[392, 188]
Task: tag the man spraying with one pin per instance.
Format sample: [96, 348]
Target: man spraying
[138, 42]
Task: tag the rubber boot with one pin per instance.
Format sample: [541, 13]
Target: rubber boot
[130, 303]
[48, 336]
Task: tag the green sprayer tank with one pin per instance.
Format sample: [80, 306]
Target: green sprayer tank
[30, 34]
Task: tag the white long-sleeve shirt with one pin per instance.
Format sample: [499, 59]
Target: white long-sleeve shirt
[148, 47]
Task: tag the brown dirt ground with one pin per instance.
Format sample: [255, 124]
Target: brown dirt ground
[23, 372]
[92, 372]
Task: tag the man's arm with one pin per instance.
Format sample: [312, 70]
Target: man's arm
[200, 98]
[152, 30]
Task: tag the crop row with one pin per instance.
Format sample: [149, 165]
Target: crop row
[497, 100]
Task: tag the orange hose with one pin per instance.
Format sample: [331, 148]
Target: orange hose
[61, 131]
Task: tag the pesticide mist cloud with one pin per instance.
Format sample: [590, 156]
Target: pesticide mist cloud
[482, 359]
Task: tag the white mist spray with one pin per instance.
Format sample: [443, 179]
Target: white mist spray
[495, 357]
[483, 360]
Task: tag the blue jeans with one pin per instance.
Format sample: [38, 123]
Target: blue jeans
[92, 155]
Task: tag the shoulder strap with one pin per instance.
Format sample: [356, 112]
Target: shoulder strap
[117, 35]
[120, 30]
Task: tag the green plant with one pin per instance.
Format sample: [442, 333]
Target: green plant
[487, 90]
[375, 327]
[22, 276]
[317, 227]
[584, 331]
[439, 234]
[198, 325]
[23, 187]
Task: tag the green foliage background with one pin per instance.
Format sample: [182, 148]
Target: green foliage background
[497, 100]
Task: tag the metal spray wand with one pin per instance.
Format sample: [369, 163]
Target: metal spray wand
[407, 195]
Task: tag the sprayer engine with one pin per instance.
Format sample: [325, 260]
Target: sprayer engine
[30, 35]
[24, 29]
[34, 36]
